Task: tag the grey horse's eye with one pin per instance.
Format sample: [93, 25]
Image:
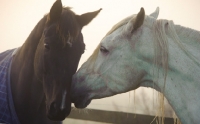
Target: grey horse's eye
[103, 49]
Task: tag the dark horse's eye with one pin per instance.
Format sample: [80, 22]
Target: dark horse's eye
[47, 46]
[103, 49]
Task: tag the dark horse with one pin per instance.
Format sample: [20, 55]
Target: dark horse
[42, 68]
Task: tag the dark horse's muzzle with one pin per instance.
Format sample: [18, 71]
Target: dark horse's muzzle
[59, 109]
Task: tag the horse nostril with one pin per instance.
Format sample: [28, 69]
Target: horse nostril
[53, 108]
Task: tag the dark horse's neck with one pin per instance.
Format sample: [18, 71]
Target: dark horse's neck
[27, 90]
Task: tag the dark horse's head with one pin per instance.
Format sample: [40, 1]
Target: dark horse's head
[58, 55]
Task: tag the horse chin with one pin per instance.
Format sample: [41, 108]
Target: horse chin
[58, 116]
[83, 104]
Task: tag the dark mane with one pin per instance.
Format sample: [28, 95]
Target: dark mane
[71, 28]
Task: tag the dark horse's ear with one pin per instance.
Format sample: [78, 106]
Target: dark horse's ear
[86, 18]
[56, 11]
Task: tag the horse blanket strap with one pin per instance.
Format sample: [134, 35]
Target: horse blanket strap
[7, 110]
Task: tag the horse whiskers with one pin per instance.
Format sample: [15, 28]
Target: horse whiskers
[85, 111]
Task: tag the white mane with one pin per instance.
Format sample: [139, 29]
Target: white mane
[163, 30]
[166, 28]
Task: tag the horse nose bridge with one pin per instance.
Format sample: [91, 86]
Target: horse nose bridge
[76, 79]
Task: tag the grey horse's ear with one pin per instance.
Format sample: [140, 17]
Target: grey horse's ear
[155, 13]
[135, 22]
[139, 19]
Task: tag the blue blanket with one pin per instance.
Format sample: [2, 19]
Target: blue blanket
[7, 111]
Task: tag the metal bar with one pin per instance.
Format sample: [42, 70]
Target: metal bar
[115, 117]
